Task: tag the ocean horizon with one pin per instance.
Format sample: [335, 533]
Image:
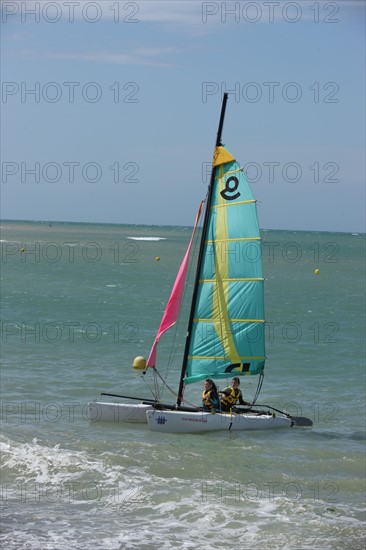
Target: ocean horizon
[264, 229]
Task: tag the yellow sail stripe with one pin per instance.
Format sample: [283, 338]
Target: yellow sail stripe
[233, 204]
[224, 358]
[220, 295]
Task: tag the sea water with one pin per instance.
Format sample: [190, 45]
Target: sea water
[80, 302]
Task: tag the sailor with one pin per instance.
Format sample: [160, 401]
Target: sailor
[210, 396]
[231, 395]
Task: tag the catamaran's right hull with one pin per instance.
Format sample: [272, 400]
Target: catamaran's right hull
[186, 422]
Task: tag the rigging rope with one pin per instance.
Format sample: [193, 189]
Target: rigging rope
[157, 373]
[259, 387]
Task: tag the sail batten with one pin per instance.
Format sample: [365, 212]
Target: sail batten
[231, 320]
[223, 358]
[257, 279]
[237, 239]
[252, 201]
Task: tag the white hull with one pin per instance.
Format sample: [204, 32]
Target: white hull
[186, 422]
[118, 412]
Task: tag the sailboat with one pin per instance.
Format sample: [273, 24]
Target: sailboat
[226, 335]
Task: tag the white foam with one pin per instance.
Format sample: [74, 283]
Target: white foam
[153, 502]
[147, 238]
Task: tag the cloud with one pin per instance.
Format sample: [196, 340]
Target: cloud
[157, 11]
[139, 56]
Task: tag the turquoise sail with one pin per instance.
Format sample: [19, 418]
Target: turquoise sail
[227, 336]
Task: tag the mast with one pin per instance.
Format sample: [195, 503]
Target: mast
[200, 255]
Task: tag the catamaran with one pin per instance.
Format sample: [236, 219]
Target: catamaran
[225, 335]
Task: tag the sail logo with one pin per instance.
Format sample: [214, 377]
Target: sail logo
[238, 367]
[229, 192]
[161, 420]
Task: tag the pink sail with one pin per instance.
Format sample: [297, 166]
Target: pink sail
[172, 309]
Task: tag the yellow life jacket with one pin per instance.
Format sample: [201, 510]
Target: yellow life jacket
[230, 399]
[208, 400]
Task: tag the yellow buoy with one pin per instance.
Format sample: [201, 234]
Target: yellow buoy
[317, 271]
[22, 249]
[139, 363]
[157, 258]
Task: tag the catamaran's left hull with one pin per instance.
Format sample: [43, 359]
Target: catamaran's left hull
[186, 422]
[118, 412]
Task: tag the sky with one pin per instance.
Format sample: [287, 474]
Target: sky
[109, 109]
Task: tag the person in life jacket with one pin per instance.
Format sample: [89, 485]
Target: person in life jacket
[210, 396]
[231, 395]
